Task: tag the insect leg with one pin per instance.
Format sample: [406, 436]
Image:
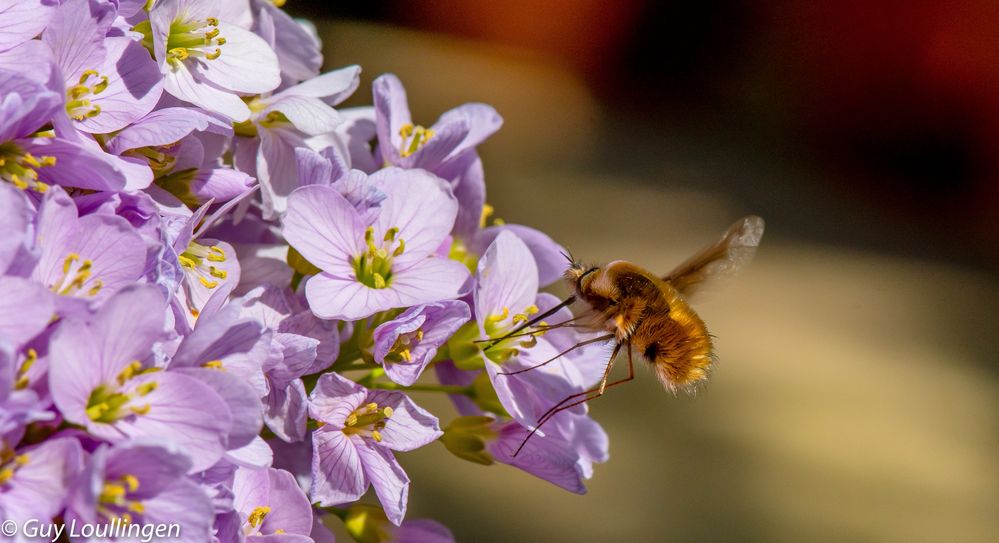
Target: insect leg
[565, 323]
[559, 355]
[597, 391]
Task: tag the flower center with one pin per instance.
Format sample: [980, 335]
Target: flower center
[78, 106]
[109, 403]
[188, 38]
[499, 324]
[10, 463]
[367, 420]
[76, 277]
[115, 501]
[400, 351]
[374, 267]
[178, 183]
[160, 160]
[255, 519]
[198, 261]
[413, 137]
[21, 169]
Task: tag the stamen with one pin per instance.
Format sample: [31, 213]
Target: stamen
[256, 517]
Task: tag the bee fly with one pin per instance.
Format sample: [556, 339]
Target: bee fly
[644, 312]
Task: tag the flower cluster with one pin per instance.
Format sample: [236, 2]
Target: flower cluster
[217, 291]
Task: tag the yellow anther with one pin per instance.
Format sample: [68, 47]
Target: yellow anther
[130, 370]
[112, 492]
[390, 234]
[194, 312]
[419, 334]
[406, 355]
[519, 318]
[497, 317]
[213, 364]
[400, 249]
[48, 161]
[145, 388]
[136, 507]
[77, 91]
[126, 518]
[22, 383]
[95, 110]
[68, 263]
[257, 516]
[18, 182]
[211, 34]
[5, 475]
[351, 420]
[32, 161]
[208, 284]
[212, 21]
[98, 285]
[387, 411]
[531, 309]
[95, 412]
[31, 356]
[131, 481]
[379, 280]
[487, 211]
[215, 272]
[140, 410]
[21, 460]
[530, 342]
[179, 53]
[371, 407]
[215, 55]
[186, 262]
[376, 435]
[219, 41]
[86, 75]
[406, 130]
[41, 187]
[99, 88]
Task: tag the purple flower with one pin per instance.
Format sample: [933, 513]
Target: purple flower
[141, 483]
[31, 162]
[406, 344]
[402, 144]
[21, 20]
[389, 264]
[353, 447]
[206, 61]
[34, 481]
[110, 81]
[84, 259]
[16, 214]
[101, 378]
[281, 123]
[295, 43]
[328, 167]
[268, 502]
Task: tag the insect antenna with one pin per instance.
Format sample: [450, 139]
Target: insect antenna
[591, 394]
[535, 320]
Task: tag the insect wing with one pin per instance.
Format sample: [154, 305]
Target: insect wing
[723, 259]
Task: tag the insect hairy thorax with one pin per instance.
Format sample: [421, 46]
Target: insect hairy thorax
[647, 315]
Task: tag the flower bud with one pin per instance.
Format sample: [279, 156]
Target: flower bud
[466, 438]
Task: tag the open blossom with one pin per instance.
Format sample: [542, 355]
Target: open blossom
[35, 480]
[268, 502]
[353, 448]
[385, 265]
[101, 378]
[110, 81]
[141, 483]
[207, 61]
[406, 344]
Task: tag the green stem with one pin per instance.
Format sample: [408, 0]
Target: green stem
[447, 389]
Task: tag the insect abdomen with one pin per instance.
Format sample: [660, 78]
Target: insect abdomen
[677, 344]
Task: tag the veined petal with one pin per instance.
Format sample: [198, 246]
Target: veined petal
[333, 87]
[181, 83]
[549, 458]
[76, 35]
[391, 112]
[26, 308]
[334, 398]
[32, 59]
[410, 426]
[309, 114]
[247, 64]
[546, 252]
[15, 214]
[388, 478]
[76, 165]
[134, 86]
[420, 205]
[507, 278]
[298, 50]
[182, 410]
[429, 280]
[21, 20]
[166, 126]
[323, 226]
[482, 121]
[277, 168]
[184, 503]
[337, 474]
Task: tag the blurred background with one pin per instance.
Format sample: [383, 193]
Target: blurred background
[856, 397]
